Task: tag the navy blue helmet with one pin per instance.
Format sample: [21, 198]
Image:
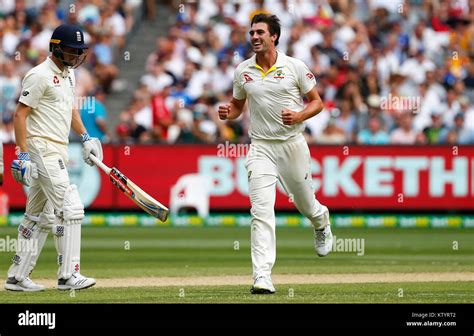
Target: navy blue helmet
[72, 37]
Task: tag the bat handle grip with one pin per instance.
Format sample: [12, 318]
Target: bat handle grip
[100, 164]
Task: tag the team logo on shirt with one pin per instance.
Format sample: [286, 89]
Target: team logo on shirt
[310, 75]
[279, 74]
[247, 78]
[25, 93]
[55, 80]
[70, 81]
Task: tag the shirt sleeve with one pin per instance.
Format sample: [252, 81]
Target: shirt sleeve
[33, 88]
[306, 79]
[238, 91]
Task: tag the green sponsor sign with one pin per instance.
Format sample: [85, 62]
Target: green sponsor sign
[283, 220]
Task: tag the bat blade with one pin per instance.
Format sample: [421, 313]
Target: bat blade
[133, 192]
[138, 195]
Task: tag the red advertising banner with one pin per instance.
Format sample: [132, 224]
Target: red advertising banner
[344, 177]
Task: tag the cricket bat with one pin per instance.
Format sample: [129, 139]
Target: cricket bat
[132, 191]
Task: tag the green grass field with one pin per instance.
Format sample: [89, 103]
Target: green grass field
[190, 252]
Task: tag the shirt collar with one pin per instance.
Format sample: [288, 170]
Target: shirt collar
[56, 69]
[280, 62]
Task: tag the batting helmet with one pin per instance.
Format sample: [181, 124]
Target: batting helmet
[71, 36]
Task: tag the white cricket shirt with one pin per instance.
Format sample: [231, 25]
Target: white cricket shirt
[50, 93]
[282, 86]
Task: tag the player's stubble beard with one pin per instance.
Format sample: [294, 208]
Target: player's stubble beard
[266, 50]
[262, 48]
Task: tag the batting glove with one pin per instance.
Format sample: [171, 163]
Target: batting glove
[23, 170]
[91, 146]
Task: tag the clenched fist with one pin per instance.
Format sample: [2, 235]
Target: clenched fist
[290, 117]
[224, 111]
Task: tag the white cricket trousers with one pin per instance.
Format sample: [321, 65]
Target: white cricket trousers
[270, 161]
[51, 159]
[53, 179]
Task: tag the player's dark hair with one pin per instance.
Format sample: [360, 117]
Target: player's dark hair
[272, 21]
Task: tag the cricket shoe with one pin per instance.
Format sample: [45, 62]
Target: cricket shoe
[27, 285]
[323, 241]
[77, 281]
[262, 285]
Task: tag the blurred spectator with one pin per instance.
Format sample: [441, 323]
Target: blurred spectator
[319, 61]
[104, 68]
[10, 86]
[458, 133]
[404, 134]
[428, 102]
[162, 117]
[94, 115]
[327, 47]
[85, 81]
[347, 121]
[373, 110]
[142, 115]
[468, 110]
[374, 134]
[7, 133]
[469, 76]
[135, 121]
[433, 131]
[332, 134]
[10, 35]
[190, 131]
[421, 139]
[113, 22]
[451, 107]
[157, 79]
[416, 66]
[221, 77]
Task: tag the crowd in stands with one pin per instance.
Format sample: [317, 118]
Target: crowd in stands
[25, 31]
[389, 71]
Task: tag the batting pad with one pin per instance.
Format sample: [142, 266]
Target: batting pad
[31, 239]
[68, 245]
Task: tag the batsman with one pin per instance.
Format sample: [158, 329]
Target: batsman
[45, 113]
